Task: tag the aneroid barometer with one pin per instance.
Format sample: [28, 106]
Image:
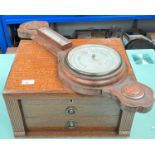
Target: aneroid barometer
[90, 68]
[93, 60]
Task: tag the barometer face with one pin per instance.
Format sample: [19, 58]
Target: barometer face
[93, 59]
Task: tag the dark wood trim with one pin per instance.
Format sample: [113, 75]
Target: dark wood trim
[125, 123]
[15, 115]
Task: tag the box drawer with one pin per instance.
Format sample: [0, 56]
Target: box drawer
[72, 113]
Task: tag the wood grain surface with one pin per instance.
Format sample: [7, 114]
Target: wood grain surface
[34, 62]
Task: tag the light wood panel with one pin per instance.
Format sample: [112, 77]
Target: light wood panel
[34, 62]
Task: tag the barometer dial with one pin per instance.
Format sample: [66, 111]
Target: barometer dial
[93, 59]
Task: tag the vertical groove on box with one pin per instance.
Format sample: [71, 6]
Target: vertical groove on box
[126, 122]
[16, 116]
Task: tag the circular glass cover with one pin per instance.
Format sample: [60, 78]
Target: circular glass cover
[93, 59]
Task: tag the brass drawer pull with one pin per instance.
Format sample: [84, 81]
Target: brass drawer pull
[71, 124]
[71, 110]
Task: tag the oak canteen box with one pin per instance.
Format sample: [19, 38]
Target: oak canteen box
[40, 105]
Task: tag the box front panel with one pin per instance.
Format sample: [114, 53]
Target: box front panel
[71, 113]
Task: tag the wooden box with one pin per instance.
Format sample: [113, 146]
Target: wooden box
[40, 105]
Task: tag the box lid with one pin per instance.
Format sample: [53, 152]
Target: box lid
[35, 69]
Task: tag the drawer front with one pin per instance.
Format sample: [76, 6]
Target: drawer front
[71, 113]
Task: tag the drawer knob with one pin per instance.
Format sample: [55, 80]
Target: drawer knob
[71, 110]
[71, 124]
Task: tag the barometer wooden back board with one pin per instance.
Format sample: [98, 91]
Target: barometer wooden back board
[79, 87]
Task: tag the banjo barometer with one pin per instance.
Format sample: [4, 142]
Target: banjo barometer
[90, 68]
